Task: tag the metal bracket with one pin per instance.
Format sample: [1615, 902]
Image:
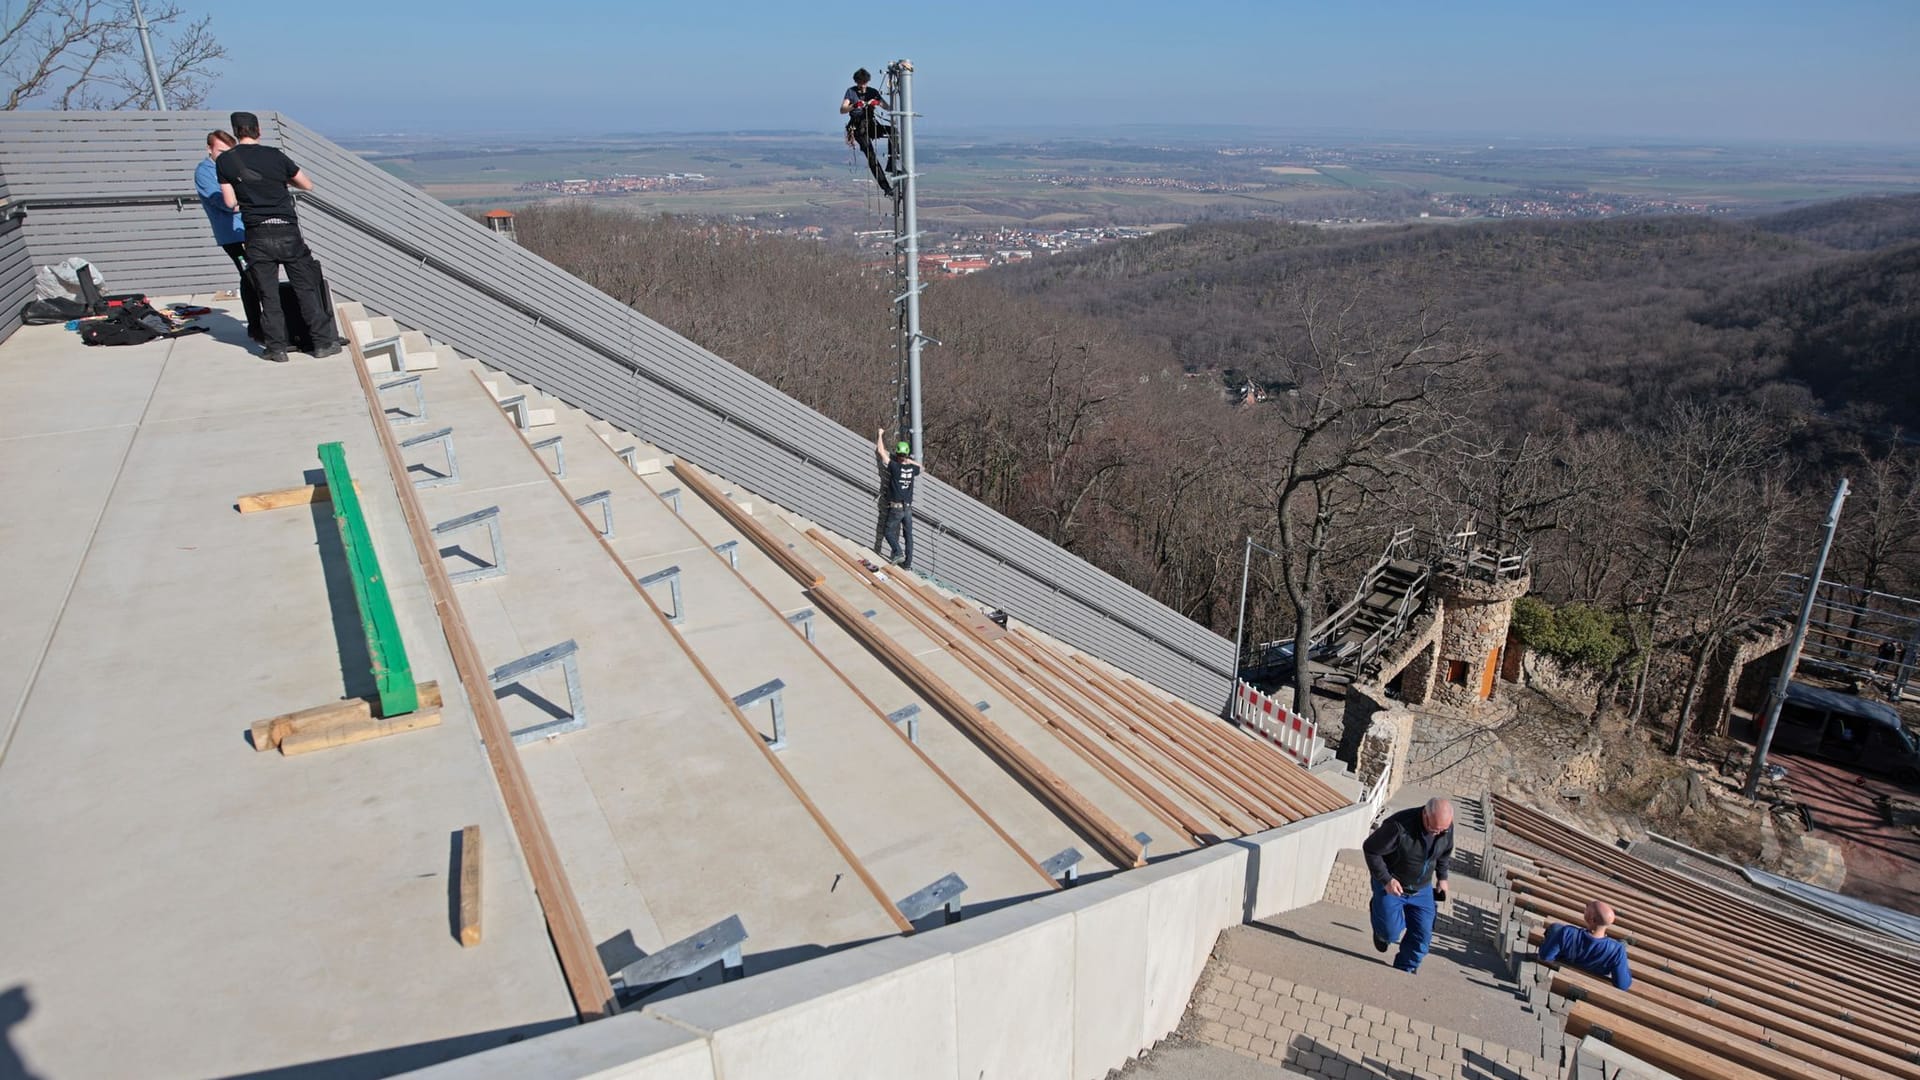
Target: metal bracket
[731, 549]
[605, 499]
[445, 438]
[516, 407]
[563, 654]
[490, 517]
[559, 454]
[672, 496]
[630, 455]
[911, 714]
[393, 342]
[671, 575]
[768, 692]
[717, 944]
[982, 705]
[1065, 866]
[944, 893]
[804, 620]
[419, 400]
[1144, 841]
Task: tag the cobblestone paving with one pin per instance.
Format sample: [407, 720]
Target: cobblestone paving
[1323, 1035]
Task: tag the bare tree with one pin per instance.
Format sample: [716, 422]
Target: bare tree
[1367, 402]
[85, 54]
[1699, 459]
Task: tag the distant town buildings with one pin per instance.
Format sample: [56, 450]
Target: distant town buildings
[618, 184]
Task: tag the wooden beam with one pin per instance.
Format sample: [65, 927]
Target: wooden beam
[573, 942]
[1759, 1045]
[343, 733]
[281, 498]
[1684, 1060]
[470, 886]
[266, 734]
[859, 868]
[961, 646]
[800, 569]
[1089, 820]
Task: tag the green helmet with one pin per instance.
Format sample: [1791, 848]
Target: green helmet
[903, 447]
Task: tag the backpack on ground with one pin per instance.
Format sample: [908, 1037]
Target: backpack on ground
[132, 322]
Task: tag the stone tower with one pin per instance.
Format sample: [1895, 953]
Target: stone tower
[1473, 630]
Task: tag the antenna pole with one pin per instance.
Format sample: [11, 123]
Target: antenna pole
[146, 46]
[907, 230]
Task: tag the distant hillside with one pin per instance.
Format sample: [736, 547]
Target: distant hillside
[1854, 224]
[1596, 322]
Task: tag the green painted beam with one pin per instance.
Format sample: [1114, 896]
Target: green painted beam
[391, 671]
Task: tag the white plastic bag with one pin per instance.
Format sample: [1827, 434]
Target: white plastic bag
[61, 281]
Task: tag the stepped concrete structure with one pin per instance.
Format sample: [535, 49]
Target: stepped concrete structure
[694, 787]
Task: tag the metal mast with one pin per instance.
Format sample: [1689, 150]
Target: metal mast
[146, 46]
[906, 247]
[1788, 663]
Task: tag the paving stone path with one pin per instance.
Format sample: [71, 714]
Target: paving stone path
[1320, 1034]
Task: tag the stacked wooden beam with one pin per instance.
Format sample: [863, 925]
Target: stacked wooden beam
[1722, 987]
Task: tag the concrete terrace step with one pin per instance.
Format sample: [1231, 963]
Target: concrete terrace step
[667, 816]
[907, 824]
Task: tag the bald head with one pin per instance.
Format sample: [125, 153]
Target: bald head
[1437, 816]
[1599, 917]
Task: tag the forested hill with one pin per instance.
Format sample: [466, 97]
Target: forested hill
[1854, 224]
[1596, 322]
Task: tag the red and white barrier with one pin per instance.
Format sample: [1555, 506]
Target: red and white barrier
[1294, 734]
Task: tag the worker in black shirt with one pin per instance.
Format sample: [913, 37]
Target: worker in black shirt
[255, 179]
[1407, 858]
[858, 105]
[898, 471]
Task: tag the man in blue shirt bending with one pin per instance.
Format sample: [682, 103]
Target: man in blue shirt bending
[1589, 949]
[228, 232]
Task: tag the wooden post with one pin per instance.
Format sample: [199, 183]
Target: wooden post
[470, 886]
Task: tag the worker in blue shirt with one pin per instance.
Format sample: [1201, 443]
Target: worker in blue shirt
[228, 232]
[1589, 949]
[1407, 858]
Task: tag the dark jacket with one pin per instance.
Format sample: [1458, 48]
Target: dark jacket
[1399, 849]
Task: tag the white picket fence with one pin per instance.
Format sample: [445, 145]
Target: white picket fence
[1298, 736]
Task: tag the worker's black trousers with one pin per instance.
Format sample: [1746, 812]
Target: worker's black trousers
[863, 136]
[896, 526]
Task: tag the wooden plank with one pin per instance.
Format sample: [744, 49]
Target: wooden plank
[1661, 1051]
[1102, 760]
[470, 886]
[392, 671]
[266, 734]
[795, 566]
[767, 754]
[281, 498]
[1089, 820]
[573, 942]
[347, 732]
[1752, 1044]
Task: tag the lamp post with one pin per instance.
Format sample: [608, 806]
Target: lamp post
[146, 46]
[1240, 624]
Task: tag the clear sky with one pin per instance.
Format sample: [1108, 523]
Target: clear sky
[1787, 70]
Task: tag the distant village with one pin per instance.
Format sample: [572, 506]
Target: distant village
[618, 184]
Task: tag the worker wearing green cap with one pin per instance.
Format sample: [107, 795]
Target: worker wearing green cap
[898, 471]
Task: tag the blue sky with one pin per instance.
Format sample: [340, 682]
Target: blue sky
[1838, 70]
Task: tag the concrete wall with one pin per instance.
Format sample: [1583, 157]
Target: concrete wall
[1068, 986]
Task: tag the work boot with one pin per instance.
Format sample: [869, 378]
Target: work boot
[324, 351]
[1380, 944]
[274, 356]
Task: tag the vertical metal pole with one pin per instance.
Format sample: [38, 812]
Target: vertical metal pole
[146, 46]
[1240, 627]
[1792, 660]
[909, 194]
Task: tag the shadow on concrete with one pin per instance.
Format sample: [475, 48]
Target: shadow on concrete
[400, 1059]
[533, 698]
[474, 562]
[14, 1007]
[1309, 1054]
[349, 633]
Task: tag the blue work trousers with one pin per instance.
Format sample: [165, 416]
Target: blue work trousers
[1407, 919]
